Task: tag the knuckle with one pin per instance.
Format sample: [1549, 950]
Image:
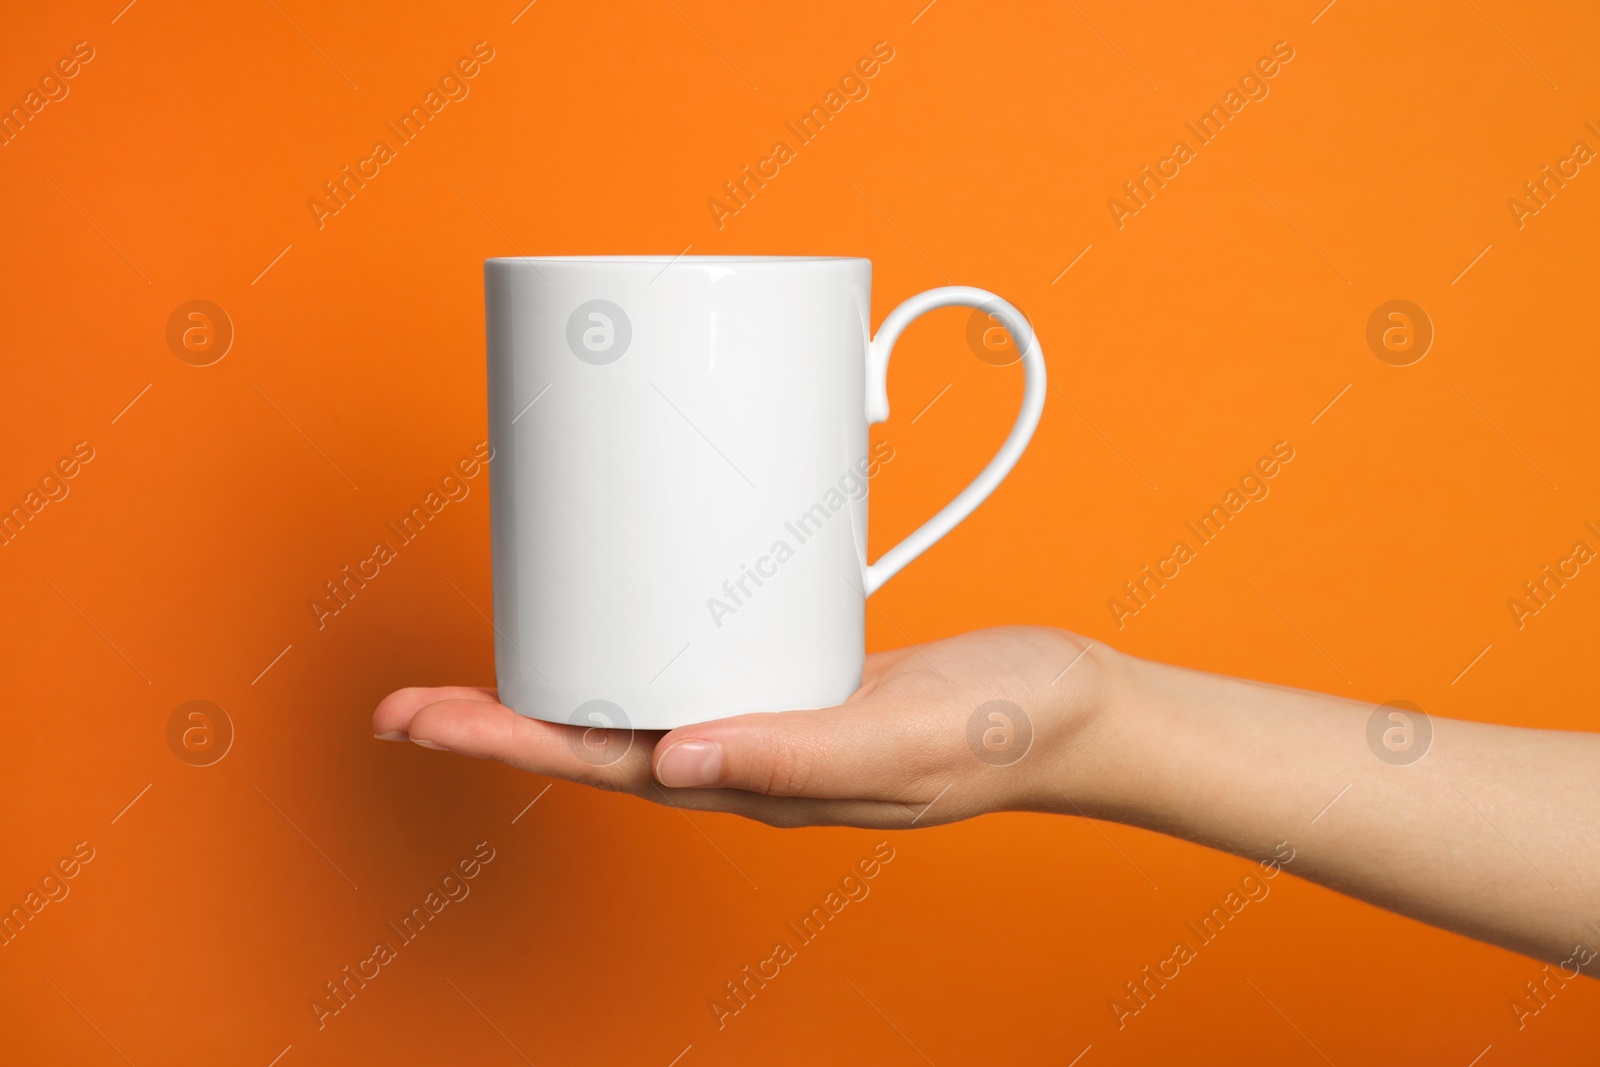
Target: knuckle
[783, 819]
[785, 770]
[782, 815]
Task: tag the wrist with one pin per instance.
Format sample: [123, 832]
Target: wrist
[1098, 737]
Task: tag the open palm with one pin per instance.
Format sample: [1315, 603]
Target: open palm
[936, 733]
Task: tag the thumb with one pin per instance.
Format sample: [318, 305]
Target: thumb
[868, 749]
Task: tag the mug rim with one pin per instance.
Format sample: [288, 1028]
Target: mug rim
[657, 260]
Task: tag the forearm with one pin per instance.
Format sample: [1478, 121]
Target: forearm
[1494, 832]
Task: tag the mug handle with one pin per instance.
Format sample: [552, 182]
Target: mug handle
[978, 490]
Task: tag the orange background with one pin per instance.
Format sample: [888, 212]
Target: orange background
[1224, 317]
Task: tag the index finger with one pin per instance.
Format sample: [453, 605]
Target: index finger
[482, 728]
[394, 712]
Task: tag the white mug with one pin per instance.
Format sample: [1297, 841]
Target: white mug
[678, 490]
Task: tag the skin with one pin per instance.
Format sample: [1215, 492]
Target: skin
[1494, 833]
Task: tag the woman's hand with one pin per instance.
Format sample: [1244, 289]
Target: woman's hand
[1488, 830]
[995, 720]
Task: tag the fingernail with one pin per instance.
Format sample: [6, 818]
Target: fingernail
[429, 744]
[392, 735]
[690, 763]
